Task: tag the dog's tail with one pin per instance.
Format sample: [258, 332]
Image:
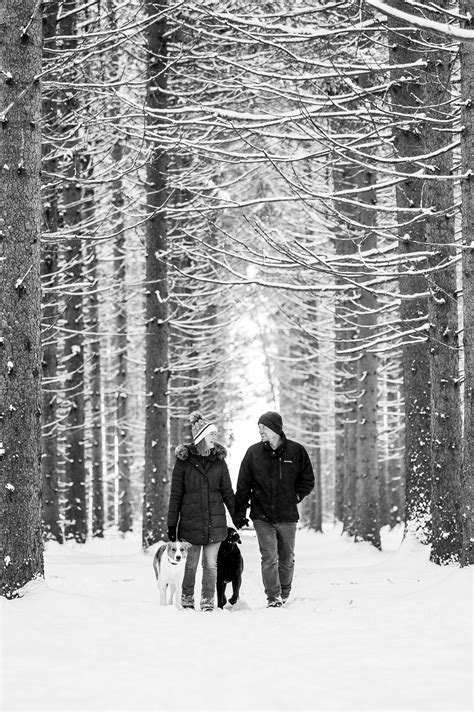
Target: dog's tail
[157, 560]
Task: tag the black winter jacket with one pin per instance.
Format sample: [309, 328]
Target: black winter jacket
[274, 481]
[200, 486]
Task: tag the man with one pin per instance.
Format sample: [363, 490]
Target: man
[274, 476]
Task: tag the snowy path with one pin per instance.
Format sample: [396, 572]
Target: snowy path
[364, 630]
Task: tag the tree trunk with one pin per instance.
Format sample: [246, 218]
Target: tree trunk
[21, 545]
[109, 427]
[75, 472]
[407, 94]
[367, 524]
[345, 367]
[75, 468]
[156, 476]
[97, 468]
[125, 523]
[49, 394]
[383, 454]
[395, 467]
[120, 348]
[467, 186]
[314, 501]
[311, 422]
[50, 314]
[446, 447]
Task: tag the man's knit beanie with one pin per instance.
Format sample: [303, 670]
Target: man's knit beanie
[273, 421]
[200, 427]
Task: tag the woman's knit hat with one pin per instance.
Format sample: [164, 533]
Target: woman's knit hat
[200, 427]
[273, 421]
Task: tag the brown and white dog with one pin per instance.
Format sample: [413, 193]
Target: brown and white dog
[168, 564]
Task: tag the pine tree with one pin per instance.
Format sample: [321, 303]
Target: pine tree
[407, 90]
[156, 478]
[467, 187]
[21, 546]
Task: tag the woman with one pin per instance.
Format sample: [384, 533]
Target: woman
[200, 487]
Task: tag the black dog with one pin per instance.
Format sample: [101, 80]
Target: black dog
[229, 567]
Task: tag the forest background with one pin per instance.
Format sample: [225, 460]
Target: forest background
[205, 205]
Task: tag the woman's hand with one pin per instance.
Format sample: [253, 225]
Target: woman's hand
[172, 533]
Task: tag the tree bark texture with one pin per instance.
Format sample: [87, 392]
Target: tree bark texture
[446, 446]
[156, 476]
[467, 186]
[21, 545]
[407, 95]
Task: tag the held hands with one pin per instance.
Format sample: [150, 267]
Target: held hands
[241, 521]
[172, 533]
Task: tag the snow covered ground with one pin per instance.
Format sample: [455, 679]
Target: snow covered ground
[363, 630]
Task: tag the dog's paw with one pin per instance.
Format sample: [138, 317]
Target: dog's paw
[233, 600]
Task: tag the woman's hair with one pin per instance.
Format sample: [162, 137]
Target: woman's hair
[202, 448]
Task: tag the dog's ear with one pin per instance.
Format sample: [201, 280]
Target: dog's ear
[187, 545]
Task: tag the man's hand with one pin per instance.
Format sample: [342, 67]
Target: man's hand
[241, 522]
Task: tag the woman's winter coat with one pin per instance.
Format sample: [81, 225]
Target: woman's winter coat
[200, 487]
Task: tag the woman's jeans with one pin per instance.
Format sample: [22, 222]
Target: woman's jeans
[209, 571]
[277, 547]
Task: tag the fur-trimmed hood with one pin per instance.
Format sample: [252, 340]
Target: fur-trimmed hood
[183, 451]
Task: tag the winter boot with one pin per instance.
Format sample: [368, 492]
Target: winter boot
[274, 602]
[207, 604]
[187, 601]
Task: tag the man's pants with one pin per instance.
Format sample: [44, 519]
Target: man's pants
[277, 547]
[209, 571]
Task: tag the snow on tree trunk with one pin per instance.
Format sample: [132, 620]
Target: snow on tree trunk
[125, 523]
[446, 446]
[407, 93]
[112, 69]
[467, 187]
[395, 464]
[110, 428]
[95, 398]
[21, 545]
[156, 476]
